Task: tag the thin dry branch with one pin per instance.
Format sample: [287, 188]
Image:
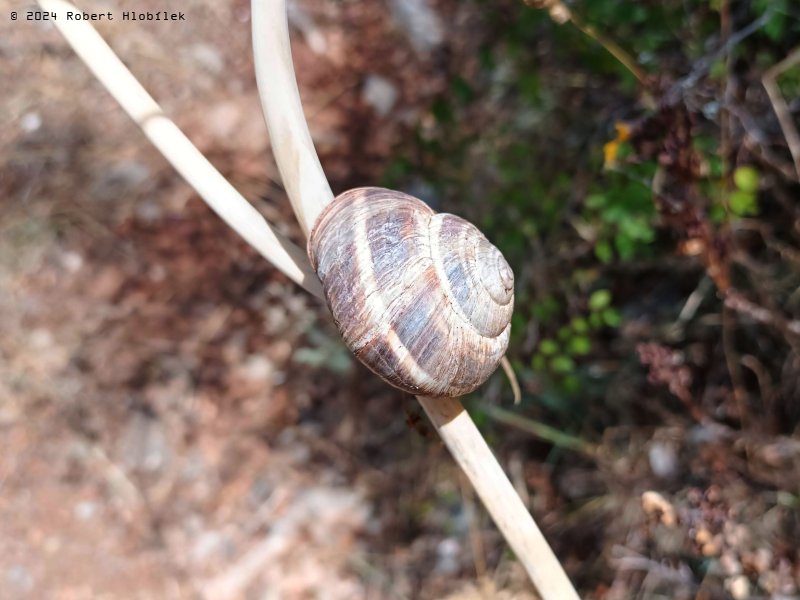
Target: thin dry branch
[561, 13]
[309, 192]
[770, 81]
[195, 168]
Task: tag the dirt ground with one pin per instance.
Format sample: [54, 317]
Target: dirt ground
[177, 420]
[172, 413]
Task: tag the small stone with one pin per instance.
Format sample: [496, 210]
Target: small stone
[41, 338]
[71, 261]
[447, 552]
[380, 93]
[712, 548]
[663, 459]
[762, 561]
[148, 211]
[703, 536]
[655, 503]
[420, 23]
[730, 564]
[257, 368]
[312, 34]
[19, 579]
[739, 587]
[84, 511]
[144, 444]
[736, 535]
[208, 57]
[30, 122]
[208, 545]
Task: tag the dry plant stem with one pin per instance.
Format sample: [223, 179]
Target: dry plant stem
[493, 487]
[297, 160]
[309, 192]
[612, 48]
[561, 13]
[770, 81]
[212, 187]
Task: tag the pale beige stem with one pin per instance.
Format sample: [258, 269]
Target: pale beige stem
[302, 175]
[473, 455]
[212, 187]
[309, 192]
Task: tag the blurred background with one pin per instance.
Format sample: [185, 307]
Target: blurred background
[177, 420]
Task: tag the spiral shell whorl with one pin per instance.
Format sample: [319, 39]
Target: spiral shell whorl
[422, 299]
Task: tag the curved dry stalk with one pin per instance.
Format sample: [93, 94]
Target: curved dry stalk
[782, 111]
[195, 168]
[309, 192]
[302, 175]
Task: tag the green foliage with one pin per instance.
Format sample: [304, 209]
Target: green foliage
[558, 356]
[789, 82]
[548, 347]
[777, 23]
[520, 141]
[743, 201]
[623, 214]
[599, 300]
[746, 179]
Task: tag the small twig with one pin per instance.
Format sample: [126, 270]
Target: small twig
[512, 379]
[560, 13]
[540, 430]
[198, 172]
[770, 81]
[739, 303]
[493, 487]
[756, 141]
[733, 363]
[764, 381]
[703, 65]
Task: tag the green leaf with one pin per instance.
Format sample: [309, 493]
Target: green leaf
[774, 28]
[571, 384]
[595, 200]
[564, 333]
[743, 203]
[442, 111]
[625, 245]
[746, 179]
[562, 364]
[545, 309]
[599, 300]
[596, 320]
[579, 325]
[611, 317]
[580, 345]
[637, 228]
[718, 70]
[717, 214]
[538, 362]
[548, 347]
[604, 252]
[462, 90]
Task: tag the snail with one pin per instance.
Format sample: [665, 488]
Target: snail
[421, 298]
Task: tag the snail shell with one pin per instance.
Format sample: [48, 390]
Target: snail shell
[421, 298]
